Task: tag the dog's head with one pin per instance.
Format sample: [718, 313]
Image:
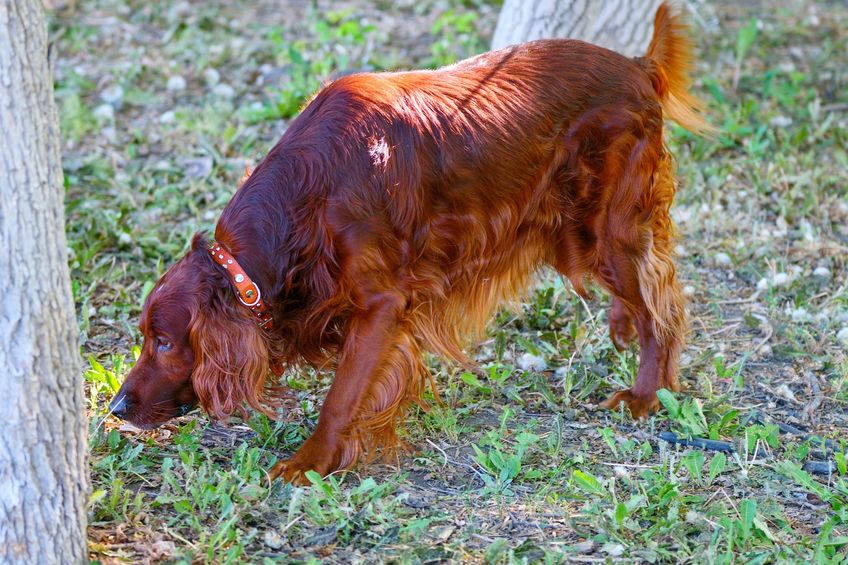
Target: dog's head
[200, 347]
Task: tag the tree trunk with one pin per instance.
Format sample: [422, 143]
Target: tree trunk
[43, 454]
[621, 25]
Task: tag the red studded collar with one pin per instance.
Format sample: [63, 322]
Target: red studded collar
[247, 291]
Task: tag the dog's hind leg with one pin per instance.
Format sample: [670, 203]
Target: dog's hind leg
[638, 270]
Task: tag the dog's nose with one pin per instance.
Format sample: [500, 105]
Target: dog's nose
[120, 406]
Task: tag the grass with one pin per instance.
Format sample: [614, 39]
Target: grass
[514, 465]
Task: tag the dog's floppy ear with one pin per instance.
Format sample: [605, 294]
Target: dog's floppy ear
[230, 360]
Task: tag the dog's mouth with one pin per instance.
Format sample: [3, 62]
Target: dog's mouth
[145, 423]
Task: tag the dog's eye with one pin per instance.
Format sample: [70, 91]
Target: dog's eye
[162, 345]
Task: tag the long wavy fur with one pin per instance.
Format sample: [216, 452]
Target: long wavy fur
[450, 188]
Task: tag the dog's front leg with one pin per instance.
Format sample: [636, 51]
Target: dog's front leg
[337, 442]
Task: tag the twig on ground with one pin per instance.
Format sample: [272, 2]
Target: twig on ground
[762, 342]
[442, 451]
[751, 298]
[725, 329]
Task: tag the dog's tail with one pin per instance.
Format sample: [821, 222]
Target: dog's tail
[668, 62]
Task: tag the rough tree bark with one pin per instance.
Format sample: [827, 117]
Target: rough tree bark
[621, 25]
[43, 455]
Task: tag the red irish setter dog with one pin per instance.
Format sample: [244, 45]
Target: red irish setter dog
[400, 209]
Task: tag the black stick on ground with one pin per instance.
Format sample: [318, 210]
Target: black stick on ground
[820, 467]
[828, 444]
[708, 444]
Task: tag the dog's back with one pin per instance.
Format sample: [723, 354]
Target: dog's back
[439, 193]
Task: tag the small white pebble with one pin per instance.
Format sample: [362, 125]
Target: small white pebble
[780, 122]
[112, 95]
[765, 350]
[800, 314]
[167, 117]
[807, 230]
[224, 90]
[693, 517]
[125, 238]
[783, 391]
[762, 284]
[208, 216]
[211, 76]
[842, 335]
[530, 362]
[92, 311]
[722, 259]
[689, 291]
[613, 549]
[587, 546]
[176, 83]
[822, 272]
[273, 539]
[104, 112]
[180, 9]
[780, 279]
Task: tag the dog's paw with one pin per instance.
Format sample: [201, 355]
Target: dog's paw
[639, 406]
[291, 471]
[314, 455]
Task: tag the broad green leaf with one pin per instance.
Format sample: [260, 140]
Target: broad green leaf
[694, 462]
[747, 511]
[745, 38]
[803, 478]
[96, 497]
[670, 403]
[717, 465]
[589, 483]
[763, 527]
[620, 513]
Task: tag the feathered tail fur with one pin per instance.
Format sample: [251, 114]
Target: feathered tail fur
[670, 62]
